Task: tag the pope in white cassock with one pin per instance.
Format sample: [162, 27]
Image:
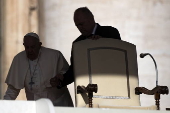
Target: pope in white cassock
[34, 69]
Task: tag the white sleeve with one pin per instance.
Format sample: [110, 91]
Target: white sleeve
[62, 65]
[11, 93]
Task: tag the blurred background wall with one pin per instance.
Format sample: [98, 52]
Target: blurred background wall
[145, 23]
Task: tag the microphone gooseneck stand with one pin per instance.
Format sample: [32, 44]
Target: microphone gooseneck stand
[89, 89]
[155, 91]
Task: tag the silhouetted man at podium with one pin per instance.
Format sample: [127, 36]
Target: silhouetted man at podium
[84, 21]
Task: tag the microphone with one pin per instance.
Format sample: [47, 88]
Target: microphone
[142, 55]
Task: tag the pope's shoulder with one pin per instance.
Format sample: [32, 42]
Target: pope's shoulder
[50, 51]
[20, 54]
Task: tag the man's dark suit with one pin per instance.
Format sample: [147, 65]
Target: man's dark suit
[103, 31]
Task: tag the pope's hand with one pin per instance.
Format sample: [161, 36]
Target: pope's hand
[55, 81]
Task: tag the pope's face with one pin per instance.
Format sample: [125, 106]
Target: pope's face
[32, 47]
[84, 24]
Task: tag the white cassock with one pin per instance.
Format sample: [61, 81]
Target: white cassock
[49, 64]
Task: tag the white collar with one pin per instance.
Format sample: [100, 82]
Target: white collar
[94, 29]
